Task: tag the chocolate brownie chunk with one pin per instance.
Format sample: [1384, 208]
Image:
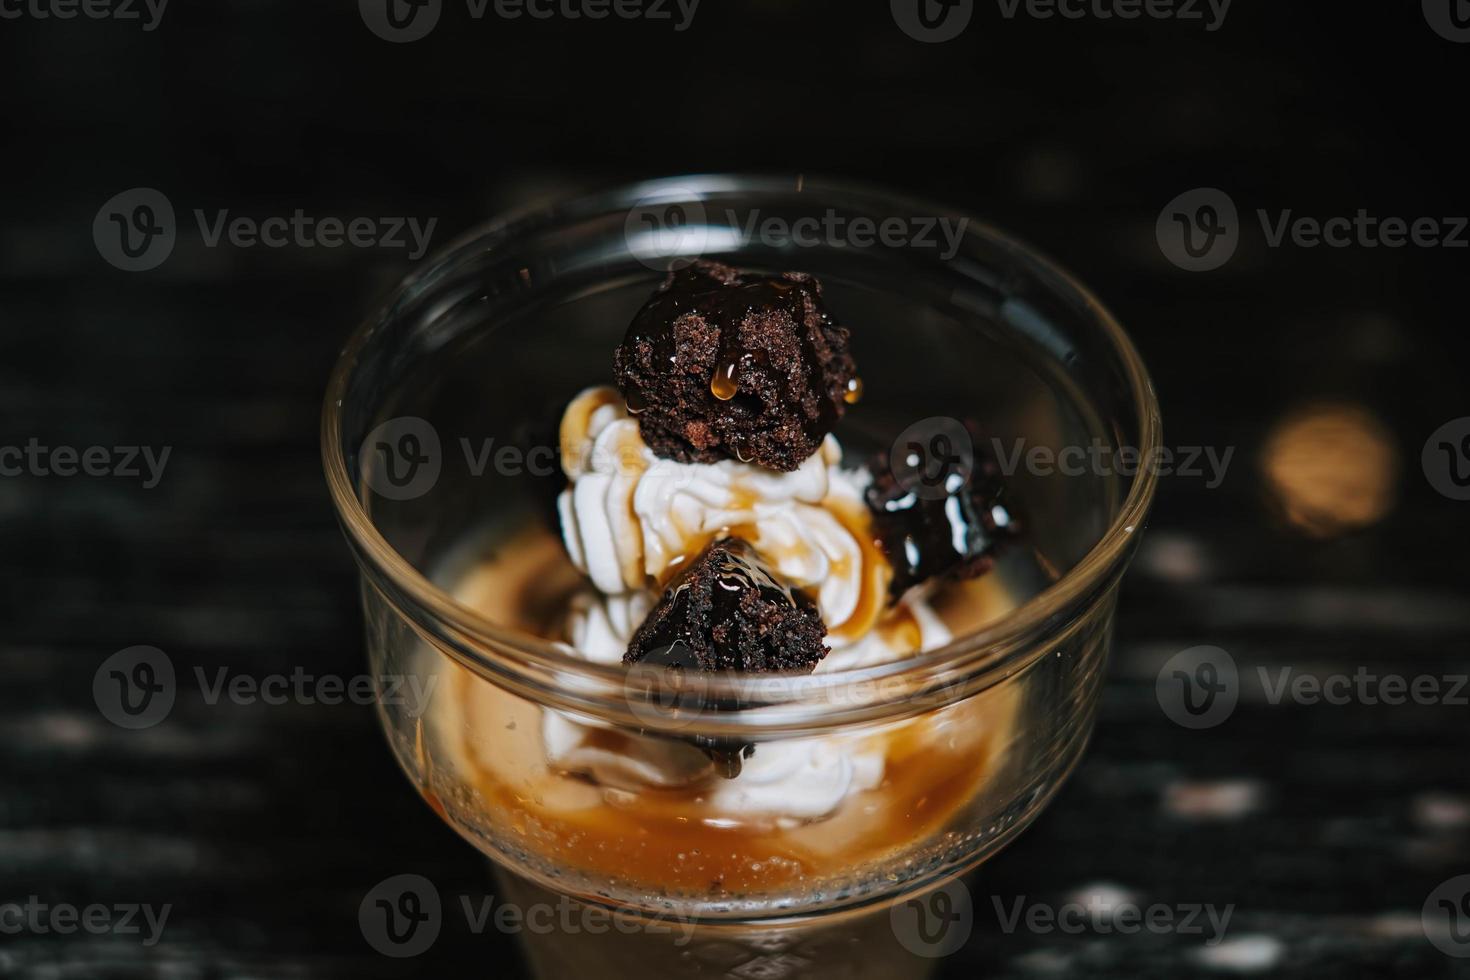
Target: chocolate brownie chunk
[955, 529]
[726, 611]
[724, 364]
[727, 754]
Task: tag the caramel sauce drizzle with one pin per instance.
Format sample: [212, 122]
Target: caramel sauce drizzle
[722, 383]
[577, 420]
[873, 588]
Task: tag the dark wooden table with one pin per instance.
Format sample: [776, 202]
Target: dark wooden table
[1324, 827]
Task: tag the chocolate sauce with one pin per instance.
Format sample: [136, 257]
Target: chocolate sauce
[956, 534]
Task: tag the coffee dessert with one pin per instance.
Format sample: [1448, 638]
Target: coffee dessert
[710, 525]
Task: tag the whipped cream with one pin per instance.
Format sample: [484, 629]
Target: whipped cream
[629, 519]
[793, 781]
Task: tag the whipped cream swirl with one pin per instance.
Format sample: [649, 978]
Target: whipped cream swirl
[630, 519]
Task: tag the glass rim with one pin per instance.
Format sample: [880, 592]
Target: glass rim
[539, 668]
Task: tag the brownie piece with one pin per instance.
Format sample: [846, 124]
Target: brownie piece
[955, 532]
[726, 611]
[724, 364]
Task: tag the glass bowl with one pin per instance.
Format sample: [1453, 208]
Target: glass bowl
[438, 438]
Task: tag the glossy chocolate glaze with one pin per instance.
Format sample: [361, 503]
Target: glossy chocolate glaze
[955, 532]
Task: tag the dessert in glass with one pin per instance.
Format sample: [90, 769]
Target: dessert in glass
[745, 620]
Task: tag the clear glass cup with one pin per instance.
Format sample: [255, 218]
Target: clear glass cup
[439, 444]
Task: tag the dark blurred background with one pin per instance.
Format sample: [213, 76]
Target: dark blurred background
[1326, 549]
